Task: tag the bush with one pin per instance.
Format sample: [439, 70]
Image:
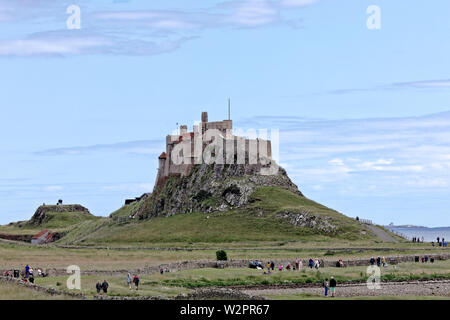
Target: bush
[221, 255]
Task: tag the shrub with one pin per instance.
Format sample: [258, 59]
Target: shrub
[221, 255]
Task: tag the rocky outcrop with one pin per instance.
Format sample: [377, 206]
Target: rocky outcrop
[39, 216]
[309, 220]
[210, 188]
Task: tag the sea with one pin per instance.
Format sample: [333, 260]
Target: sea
[429, 234]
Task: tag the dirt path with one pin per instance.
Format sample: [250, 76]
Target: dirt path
[383, 235]
[395, 289]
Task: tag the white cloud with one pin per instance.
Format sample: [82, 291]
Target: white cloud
[53, 188]
[30, 47]
[297, 3]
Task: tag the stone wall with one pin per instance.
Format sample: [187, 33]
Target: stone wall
[38, 288]
[187, 265]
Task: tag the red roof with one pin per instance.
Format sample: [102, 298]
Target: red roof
[50, 235]
[163, 156]
[40, 234]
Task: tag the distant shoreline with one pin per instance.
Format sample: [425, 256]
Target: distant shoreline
[409, 226]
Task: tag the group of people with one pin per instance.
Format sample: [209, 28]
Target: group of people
[298, 265]
[105, 285]
[135, 281]
[27, 274]
[380, 262]
[417, 239]
[440, 242]
[314, 263]
[102, 286]
[330, 286]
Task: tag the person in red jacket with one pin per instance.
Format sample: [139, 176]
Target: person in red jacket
[136, 281]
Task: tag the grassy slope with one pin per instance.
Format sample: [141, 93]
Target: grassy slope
[255, 223]
[55, 221]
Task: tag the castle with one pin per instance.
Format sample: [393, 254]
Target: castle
[210, 142]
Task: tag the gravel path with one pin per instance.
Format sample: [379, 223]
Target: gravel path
[383, 235]
[416, 288]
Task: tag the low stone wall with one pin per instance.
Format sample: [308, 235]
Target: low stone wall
[38, 288]
[187, 265]
[199, 294]
[17, 237]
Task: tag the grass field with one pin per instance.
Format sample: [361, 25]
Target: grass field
[173, 283]
[14, 292]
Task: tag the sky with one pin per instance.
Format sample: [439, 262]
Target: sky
[363, 113]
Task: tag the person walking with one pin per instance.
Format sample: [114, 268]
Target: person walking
[129, 280]
[27, 271]
[333, 284]
[136, 281]
[98, 287]
[326, 286]
[105, 286]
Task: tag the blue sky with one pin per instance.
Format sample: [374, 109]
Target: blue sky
[364, 115]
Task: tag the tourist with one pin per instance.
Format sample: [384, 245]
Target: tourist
[300, 265]
[268, 267]
[136, 281]
[272, 265]
[161, 271]
[438, 240]
[27, 271]
[432, 243]
[432, 260]
[426, 259]
[297, 263]
[372, 261]
[105, 286]
[280, 268]
[333, 286]
[288, 267]
[423, 259]
[317, 264]
[129, 280]
[311, 263]
[423, 239]
[98, 286]
[31, 279]
[326, 286]
[378, 261]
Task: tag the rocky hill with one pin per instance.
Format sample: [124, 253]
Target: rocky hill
[210, 188]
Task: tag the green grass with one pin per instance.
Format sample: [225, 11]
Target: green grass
[60, 220]
[208, 277]
[117, 286]
[173, 283]
[9, 291]
[255, 223]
